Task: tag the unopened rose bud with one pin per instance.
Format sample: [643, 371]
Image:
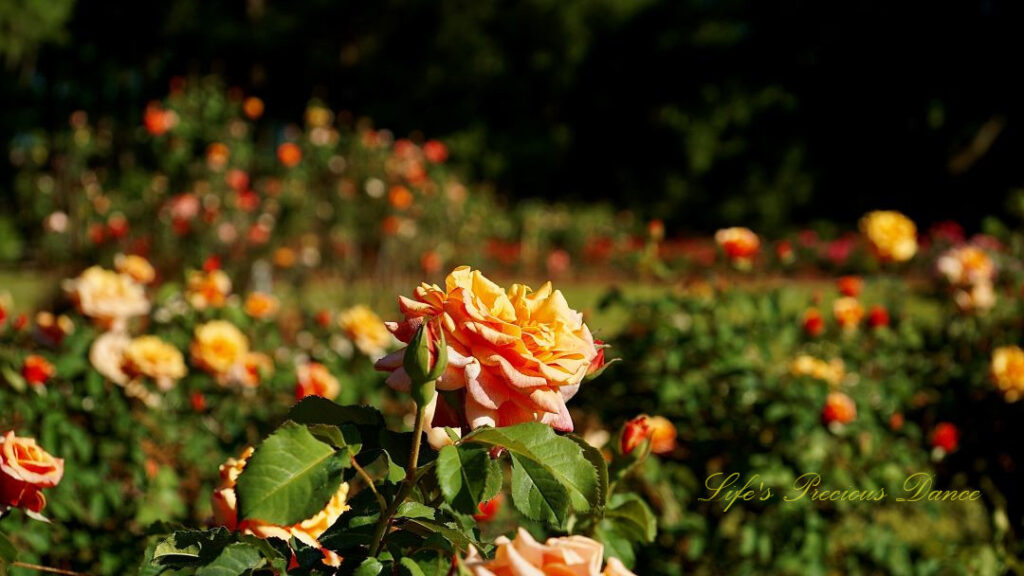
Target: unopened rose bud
[425, 360]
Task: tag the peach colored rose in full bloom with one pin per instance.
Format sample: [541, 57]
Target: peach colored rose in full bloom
[839, 408]
[253, 369]
[217, 347]
[366, 330]
[25, 469]
[153, 358]
[524, 556]
[515, 356]
[225, 512]
[107, 297]
[891, 235]
[1007, 371]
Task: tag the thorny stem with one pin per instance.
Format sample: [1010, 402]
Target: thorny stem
[407, 485]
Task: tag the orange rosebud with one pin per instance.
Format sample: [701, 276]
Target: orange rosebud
[489, 509]
[399, 197]
[814, 322]
[878, 316]
[37, 370]
[850, 285]
[946, 436]
[252, 107]
[634, 433]
[896, 421]
[289, 154]
[656, 230]
[217, 155]
[839, 408]
[431, 262]
[198, 401]
[435, 151]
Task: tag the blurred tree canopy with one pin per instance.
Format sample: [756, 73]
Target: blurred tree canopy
[699, 112]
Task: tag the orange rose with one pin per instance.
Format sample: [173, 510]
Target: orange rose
[850, 285]
[207, 289]
[739, 244]
[524, 556]
[289, 154]
[839, 408]
[848, 312]
[315, 380]
[25, 469]
[225, 512]
[37, 370]
[518, 354]
[261, 306]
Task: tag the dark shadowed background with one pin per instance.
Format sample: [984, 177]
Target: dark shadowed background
[703, 113]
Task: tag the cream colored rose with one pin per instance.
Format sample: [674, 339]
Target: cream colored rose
[217, 347]
[137, 267]
[225, 511]
[152, 357]
[107, 356]
[107, 297]
[966, 265]
[975, 298]
[366, 330]
[1007, 371]
[891, 235]
[524, 556]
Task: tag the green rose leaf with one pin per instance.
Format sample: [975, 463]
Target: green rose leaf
[632, 518]
[537, 493]
[467, 476]
[234, 560]
[550, 473]
[290, 477]
[369, 567]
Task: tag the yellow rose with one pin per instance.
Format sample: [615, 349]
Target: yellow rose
[137, 267]
[107, 297]
[891, 235]
[207, 289]
[831, 372]
[366, 330]
[218, 346]
[1007, 370]
[519, 355]
[152, 357]
[225, 511]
